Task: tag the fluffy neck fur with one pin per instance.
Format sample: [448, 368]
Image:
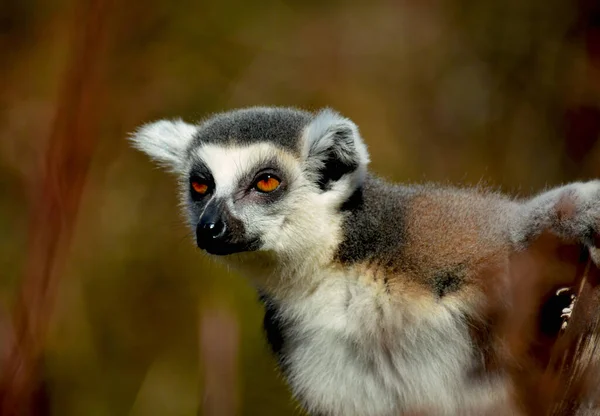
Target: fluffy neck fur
[366, 225]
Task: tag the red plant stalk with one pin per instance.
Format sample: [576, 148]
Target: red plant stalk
[60, 182]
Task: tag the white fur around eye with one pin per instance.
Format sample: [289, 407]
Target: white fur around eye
[229, 164]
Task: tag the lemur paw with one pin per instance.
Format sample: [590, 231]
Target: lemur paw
[566, 312]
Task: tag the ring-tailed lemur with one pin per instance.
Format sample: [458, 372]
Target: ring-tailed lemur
[375, 292]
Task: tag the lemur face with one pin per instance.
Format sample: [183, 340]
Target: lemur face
[240, 196]
[261, 179]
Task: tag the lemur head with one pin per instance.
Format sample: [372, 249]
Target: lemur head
[262, 179]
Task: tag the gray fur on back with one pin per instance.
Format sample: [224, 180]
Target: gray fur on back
[374, 226]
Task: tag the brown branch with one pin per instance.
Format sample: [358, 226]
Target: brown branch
[60, 183]
[219, 344]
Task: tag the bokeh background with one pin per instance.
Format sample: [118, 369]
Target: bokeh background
[129, 318]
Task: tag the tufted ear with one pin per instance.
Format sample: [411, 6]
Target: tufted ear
[334, 152]
[165, 141]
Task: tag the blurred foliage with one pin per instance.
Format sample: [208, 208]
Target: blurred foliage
[504, 92]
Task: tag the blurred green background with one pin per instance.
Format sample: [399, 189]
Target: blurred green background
[463, 91]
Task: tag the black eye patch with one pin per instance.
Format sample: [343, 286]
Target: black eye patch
[200, 173]
[247, 182]
[199, 169]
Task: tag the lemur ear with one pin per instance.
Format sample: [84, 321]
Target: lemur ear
[333, 149]
[165, 141]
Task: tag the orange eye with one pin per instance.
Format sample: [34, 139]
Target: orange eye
[199, 188]
[267, 183]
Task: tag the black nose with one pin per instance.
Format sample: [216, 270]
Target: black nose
[210, 229]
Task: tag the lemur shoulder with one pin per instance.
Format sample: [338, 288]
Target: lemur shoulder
[381, 299]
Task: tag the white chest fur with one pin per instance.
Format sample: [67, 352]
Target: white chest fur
[351, 350]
